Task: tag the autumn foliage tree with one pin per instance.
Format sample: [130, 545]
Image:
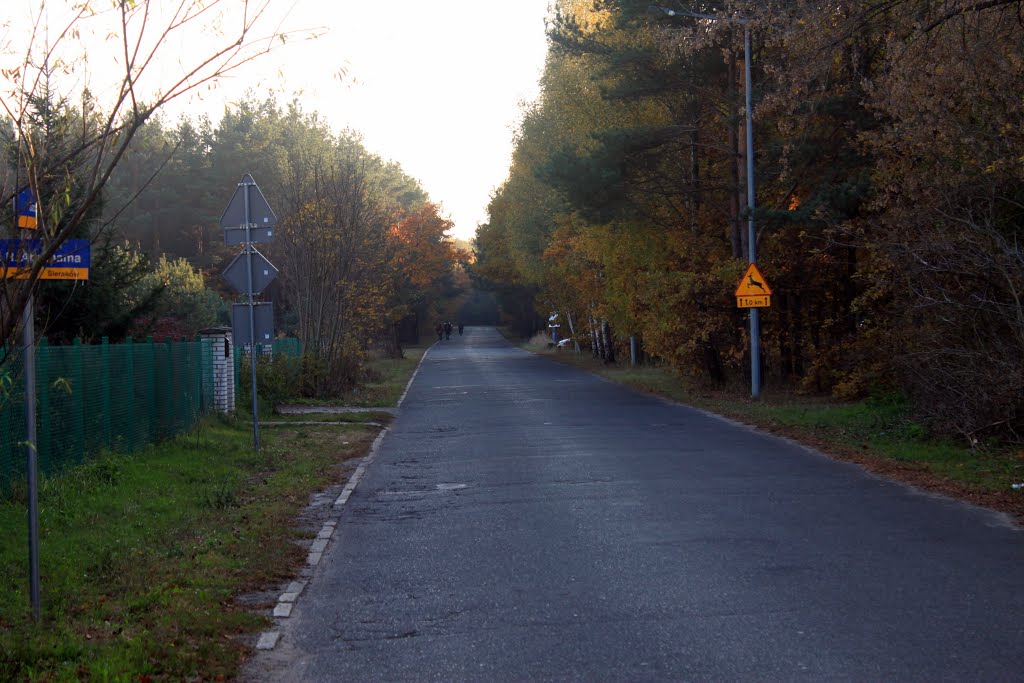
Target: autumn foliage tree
[950, 210]
[422, 261]
[887, 155]
[42, 64]
[359, 246]
[332, 251]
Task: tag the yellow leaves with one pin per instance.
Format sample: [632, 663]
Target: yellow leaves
[584, 12]
[13, 74]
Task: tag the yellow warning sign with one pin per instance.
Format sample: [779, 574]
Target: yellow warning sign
[753, 290]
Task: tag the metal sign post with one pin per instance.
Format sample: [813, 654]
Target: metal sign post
[29, 362]
[249, 211]
[252, 320]
[755, 316]
[755, 313]
[69, 262]
[25, 213]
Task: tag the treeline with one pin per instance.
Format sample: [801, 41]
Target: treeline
[361, 249]
[888, 140]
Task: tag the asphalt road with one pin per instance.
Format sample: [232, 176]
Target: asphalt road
[523, 520]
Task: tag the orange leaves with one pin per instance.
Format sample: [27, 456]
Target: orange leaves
[422, 253]
[423, 261]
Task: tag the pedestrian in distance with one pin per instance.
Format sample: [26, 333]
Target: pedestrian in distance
[440, 331]
[460, 329]
[447, 330]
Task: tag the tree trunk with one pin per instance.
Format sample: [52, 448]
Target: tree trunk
[392, 346]
[798, 334]
[572, 331]
[785, 337]
[608, 350]
[713, 362]
[850, 293]
[695, 195]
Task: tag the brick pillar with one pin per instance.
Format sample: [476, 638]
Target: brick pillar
[223, 367]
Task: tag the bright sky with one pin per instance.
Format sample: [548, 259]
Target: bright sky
[435, 85]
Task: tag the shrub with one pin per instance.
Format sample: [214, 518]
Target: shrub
[278, 380]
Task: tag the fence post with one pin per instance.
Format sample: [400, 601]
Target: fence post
[129, 376]
[7, 417]
[170, 419]
[195, 361]
[105, 390]
[43, 395]
[184, 388]
[77, 402]
[203, 369]
[236, 361]
[152, 391]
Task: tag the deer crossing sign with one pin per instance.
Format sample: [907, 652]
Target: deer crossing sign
[753, 290]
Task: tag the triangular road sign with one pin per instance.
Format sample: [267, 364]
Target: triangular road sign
[260, 213]
[263, 272]
[753, 283]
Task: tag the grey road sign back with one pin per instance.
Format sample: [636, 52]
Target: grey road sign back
[263, 317]
[260, 213]
[259, 235]
[263, 273]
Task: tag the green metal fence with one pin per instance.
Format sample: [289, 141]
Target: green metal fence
[105, 396]
[288, 346]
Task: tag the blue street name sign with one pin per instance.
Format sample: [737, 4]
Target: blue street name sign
[25, 207]
[69, 262]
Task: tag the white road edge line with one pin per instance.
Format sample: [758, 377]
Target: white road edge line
[413, 378]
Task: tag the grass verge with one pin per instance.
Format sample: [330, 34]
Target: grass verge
[389, 379]
[339, 418]
[877, 433]
[149, 562]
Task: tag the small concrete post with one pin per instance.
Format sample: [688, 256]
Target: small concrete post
[223, 367]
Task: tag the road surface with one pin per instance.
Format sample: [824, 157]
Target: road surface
[523, 520]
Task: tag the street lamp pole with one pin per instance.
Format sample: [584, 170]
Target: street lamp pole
[755, 313]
